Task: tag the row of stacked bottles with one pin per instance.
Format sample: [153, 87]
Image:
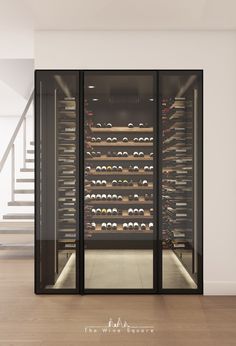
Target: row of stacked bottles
[118, 177]
[177, 174]
[66, 174]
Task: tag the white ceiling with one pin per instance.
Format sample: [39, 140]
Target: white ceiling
[119, 14]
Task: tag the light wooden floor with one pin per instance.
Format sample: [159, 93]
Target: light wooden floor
[27, 319]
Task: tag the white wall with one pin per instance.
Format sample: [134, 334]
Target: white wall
[18, 75]
[11, 102]
[215, 53]
[16, 43]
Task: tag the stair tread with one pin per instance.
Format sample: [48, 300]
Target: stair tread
[25, 180]
[29, 160]
[17, 231]
[21, 203]
[18, 216]
[9, 246]
[29, 191]
[26, 170]
[17, 225]
[30, 151]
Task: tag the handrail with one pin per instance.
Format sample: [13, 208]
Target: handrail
[9, 147]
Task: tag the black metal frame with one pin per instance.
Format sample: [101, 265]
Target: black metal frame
[36, 200]
[157, 251]
[80, 190]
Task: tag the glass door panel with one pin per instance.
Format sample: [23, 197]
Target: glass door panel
[180, 160]
[56, 136]
[120, 134]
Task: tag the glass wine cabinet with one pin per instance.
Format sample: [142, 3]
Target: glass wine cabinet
[118, 181]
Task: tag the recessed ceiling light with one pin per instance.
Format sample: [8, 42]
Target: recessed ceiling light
[91, 86]
[95, 100]
[151, 100]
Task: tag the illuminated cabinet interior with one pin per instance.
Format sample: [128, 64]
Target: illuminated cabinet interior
[118, 181]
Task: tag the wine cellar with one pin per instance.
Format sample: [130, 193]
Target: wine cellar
[118, 181]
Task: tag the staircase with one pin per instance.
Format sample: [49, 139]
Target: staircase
[17, 226]
[23, 194]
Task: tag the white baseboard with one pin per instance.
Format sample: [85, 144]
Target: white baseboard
[227, 288]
